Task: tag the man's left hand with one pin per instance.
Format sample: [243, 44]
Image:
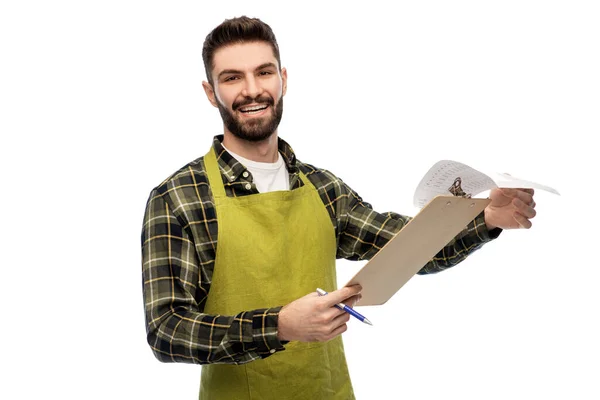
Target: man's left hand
[510, 209]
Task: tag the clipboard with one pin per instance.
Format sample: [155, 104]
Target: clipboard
[414, 246]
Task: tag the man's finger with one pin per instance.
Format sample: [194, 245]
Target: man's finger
[351, 302]
[508, 192]
[338, 331]
[522, 220]
[330, 313]
[530, 191]
[523, 208]
[340, 295]
[524, 196]
[339, 320]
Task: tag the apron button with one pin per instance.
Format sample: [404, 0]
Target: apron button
[272, 351]
[248, 186]
[245, 174]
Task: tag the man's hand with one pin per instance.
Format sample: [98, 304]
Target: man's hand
[314, 318]
[510, 209]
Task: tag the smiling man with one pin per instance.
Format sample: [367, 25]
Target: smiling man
[254, 117]
[235, 243]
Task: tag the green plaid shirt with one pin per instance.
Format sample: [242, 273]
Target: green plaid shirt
[179, 242]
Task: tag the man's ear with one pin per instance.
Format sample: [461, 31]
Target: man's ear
[283, 81]
[210, 93]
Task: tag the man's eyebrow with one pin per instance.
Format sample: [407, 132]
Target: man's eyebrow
[265, 65]
[235, 71]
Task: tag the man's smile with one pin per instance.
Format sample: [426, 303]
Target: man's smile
[253, 109]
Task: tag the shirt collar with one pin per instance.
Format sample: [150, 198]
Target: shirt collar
[232, 169]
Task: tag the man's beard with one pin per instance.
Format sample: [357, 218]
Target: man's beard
[253, 130]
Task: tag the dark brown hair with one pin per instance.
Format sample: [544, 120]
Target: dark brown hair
[236, 30]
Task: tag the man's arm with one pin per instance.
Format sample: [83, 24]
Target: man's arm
[177, 329]
[363, 232]
[470, 239]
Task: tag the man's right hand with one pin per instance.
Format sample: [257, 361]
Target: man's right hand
[314, 318]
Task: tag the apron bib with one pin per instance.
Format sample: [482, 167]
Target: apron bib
[273, 248]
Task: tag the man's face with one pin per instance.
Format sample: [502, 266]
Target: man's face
[248, 89]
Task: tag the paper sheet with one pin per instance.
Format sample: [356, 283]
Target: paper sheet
[509, 181]
[451, 177]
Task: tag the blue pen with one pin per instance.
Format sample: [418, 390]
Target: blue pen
[349, 310]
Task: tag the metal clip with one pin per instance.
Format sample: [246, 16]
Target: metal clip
[457, 190]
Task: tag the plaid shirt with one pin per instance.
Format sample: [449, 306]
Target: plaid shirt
[179, 240]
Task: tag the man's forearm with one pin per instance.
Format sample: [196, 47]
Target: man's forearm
[188, 337]
[465, 243]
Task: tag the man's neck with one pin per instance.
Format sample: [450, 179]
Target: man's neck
[265, 151]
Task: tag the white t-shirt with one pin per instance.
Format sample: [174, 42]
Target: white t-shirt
[268, 177]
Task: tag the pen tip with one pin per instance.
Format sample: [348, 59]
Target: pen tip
[366, 321]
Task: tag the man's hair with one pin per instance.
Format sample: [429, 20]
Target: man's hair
[236, 30]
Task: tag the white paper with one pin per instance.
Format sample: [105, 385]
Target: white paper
[509, 181]
[446, 177]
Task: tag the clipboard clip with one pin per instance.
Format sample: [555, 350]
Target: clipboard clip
[457, 190]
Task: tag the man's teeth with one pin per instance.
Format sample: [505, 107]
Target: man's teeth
[253, 108]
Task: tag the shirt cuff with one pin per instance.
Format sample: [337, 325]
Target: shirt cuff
[481, 230]
[264, 330]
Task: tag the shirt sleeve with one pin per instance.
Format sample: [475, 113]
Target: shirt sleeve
[363, 232]
[177, 329]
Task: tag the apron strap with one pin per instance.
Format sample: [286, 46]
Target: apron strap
[305, 179]
[214, 174]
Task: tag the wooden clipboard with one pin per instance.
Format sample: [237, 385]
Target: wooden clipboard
[411, 249]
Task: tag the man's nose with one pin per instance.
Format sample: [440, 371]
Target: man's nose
[252, 88]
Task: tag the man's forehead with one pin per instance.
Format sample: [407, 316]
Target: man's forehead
[243, 56]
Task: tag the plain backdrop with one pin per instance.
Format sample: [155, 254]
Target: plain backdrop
[102, 100]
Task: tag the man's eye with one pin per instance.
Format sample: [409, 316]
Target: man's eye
[263, 73]
[230, 78]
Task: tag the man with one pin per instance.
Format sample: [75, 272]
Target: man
[236, 242]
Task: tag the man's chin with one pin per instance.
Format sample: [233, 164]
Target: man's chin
[252, 136]
[253, 131]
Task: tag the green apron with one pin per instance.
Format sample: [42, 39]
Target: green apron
[273, 248]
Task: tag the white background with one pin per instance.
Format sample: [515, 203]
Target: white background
[100, 101]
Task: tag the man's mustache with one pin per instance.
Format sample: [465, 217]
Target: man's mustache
[249, 100]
